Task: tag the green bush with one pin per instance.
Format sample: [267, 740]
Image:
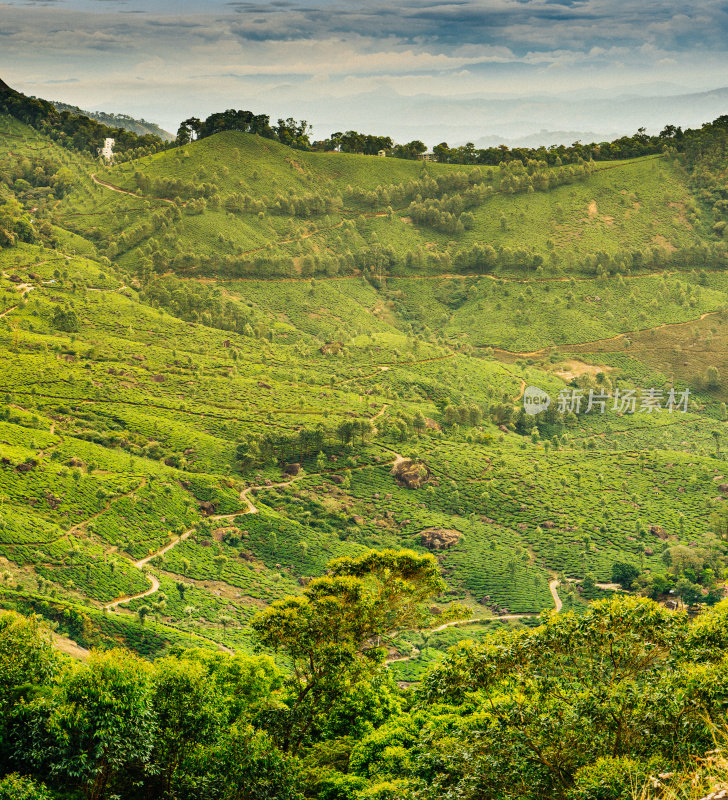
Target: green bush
[608, 779]
[17, 787]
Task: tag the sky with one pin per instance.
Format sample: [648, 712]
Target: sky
[437, 70]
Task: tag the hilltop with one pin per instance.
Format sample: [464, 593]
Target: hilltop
[139, 126]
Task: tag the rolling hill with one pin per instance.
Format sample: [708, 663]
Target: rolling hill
[196, 319]
[226, 364]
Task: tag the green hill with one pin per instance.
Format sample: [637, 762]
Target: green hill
[139, 126]
[184, 325]
[227, 364]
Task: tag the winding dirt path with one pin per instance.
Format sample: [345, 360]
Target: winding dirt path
[142, 562]
[558, 605]
[128, 597]
[251, 509]
[553, 586]
[574, 347]
[113, 188]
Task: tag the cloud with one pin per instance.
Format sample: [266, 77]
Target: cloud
[167, 59]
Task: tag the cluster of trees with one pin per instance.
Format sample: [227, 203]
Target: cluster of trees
[198, 302]
[15, 223]
[355, 142]
[370, 145]
[173, 187]
[41, 177]
[190, 263]
[310, 204]
[439, 202]
[655, 257]
[287, 131]
[280, 448]
[71, 130]
[65, 319]
[640, 144]
[691, 575]
[585, 706]
[473, 187]
[706, 157]
[238, 203]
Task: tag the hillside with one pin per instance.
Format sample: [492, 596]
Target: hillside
[138, 126]
[228, 363]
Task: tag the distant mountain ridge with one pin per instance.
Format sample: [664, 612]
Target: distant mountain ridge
[139, 126]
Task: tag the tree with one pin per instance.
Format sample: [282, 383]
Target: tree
[712, 378]
[100, 725]
[17, 787]
[624, 574]
[245, 764]
[189, 714]
[62, 181]
[27, 657]
[332, 632]
[690, 593]
[441, 152]
[219, 562]
[547, 702]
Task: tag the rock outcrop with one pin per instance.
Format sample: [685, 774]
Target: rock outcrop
[439, 538]
[410, 474]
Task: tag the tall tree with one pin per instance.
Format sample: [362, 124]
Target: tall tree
[332, 633]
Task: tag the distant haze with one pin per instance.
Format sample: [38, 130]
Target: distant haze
[486, 71]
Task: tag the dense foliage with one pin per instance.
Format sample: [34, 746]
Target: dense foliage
[623, 692]
[71, 129]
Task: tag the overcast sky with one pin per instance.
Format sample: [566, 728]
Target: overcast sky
[367, 64]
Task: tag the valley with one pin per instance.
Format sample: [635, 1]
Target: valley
[228, 364]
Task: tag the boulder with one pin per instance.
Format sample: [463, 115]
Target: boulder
[291, 469]
[439, 538]
[657, 530]
[410, 474]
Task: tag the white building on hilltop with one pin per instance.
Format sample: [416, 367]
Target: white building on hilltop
[107, 151]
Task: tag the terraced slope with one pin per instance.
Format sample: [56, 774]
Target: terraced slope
[275, 328]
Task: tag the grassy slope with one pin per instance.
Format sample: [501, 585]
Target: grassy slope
[136, 386]
[633, 204]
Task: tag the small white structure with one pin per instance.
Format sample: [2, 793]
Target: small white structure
[382, 154]
[107, 151]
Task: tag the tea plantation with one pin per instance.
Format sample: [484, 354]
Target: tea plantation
[226, 363]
